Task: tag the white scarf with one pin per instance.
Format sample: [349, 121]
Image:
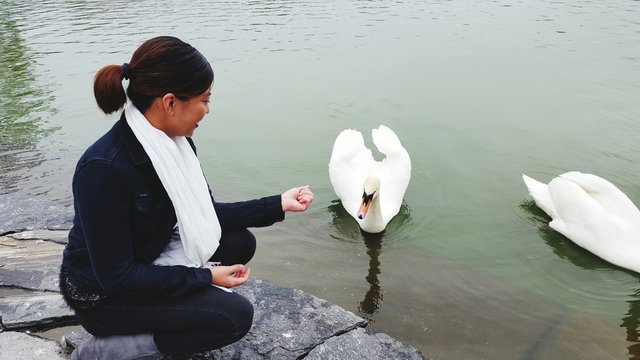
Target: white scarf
[181, 175]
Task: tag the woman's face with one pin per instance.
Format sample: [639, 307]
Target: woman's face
[188, 114]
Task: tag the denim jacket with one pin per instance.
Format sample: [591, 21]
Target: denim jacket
[124, 219]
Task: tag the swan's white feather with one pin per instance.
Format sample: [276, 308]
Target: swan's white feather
[594, 214]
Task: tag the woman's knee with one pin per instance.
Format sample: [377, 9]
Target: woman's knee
[248, 240]
[229, 312]
[236, 247]
[242, 316]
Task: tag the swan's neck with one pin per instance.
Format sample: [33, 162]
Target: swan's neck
[373, 222]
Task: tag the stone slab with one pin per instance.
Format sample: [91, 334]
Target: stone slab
[22, 309]
[31, 264]
[57, 236]
[21, 346]
[19, 214]
[287, 323]
[360, 344]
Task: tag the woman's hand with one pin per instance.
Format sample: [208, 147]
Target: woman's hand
[229, 276]
[297, 199]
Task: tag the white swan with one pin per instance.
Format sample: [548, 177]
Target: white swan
[371, 191]
[592, 213]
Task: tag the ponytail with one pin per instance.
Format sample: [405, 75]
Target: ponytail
[108, 89]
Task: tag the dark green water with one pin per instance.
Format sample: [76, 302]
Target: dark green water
[478, 91]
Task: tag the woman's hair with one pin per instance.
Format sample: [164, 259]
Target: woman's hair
[161, 65]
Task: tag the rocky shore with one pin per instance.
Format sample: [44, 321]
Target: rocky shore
[35, 323]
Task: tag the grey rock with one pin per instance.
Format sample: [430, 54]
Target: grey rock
[360, 344]
[19, 214]
[31, 264]
[287, 323]
[22, 309]
[20, 346]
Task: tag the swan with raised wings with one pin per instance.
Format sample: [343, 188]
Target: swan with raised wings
[593, 213]
[371, 191]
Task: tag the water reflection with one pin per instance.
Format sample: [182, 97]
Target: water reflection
[24, 105]
[348, 228]
[631, 322]
[566, 249]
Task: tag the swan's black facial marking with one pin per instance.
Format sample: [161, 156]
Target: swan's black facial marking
[366, 199]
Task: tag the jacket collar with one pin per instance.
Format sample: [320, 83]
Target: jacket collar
[135, 149]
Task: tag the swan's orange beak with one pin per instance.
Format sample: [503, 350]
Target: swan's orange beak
[364, 205]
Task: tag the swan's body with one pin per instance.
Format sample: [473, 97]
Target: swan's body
[592, 213]
[352, 165]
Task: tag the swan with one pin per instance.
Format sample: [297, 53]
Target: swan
[594, 214]
[371, 191]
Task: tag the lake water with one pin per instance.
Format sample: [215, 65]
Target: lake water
[479, 92]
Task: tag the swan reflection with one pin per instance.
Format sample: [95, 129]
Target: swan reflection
[373, 298]
[348, 228]
[631, 322]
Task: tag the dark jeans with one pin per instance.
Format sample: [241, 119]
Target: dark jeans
[206, 319]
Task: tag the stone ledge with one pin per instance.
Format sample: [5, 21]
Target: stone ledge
[288, 323]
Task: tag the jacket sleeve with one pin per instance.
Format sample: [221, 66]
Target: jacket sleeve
[103, 201]
[253, 213]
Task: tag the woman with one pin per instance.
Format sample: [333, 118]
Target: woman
[148, 241]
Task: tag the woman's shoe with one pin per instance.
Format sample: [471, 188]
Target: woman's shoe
[120, 347]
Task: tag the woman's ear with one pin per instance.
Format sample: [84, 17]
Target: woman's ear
[169, 103]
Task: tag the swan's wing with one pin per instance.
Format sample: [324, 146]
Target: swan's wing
[583, 219]
[540, 194]
[394, 171]
[349, 166]
[606, 194]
